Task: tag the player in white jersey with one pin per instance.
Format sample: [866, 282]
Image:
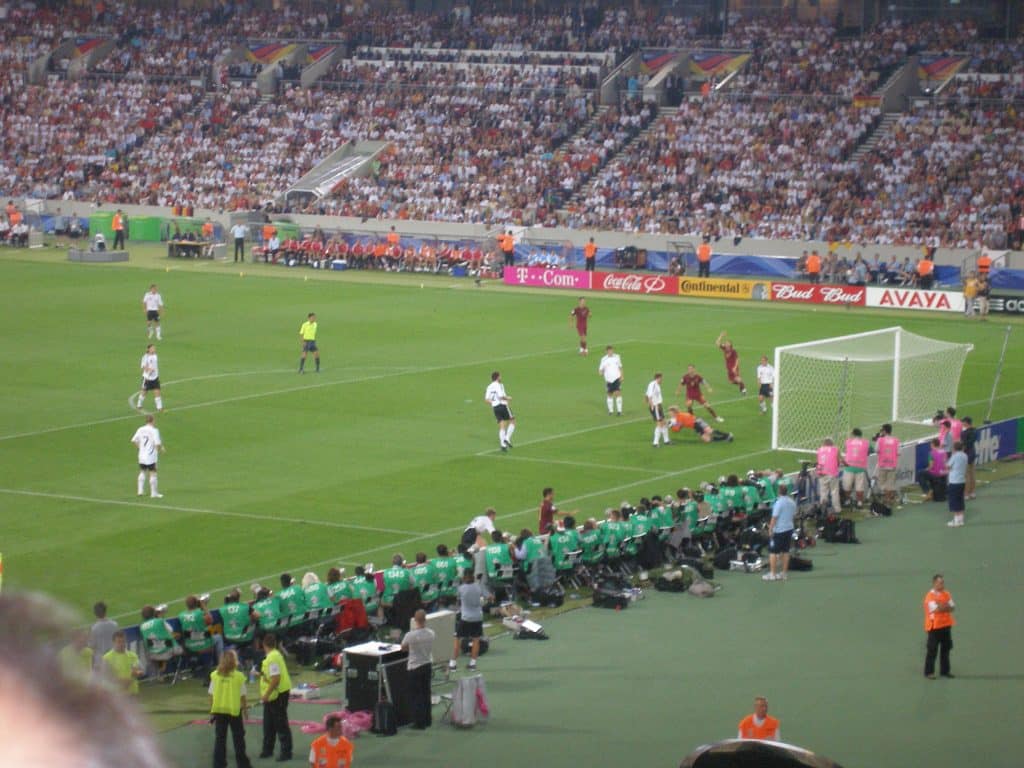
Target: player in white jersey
[150, 378]
[498, 398]
[765, 382]
[152, 302]
[655, 404]
[147, 440]
[611, 369]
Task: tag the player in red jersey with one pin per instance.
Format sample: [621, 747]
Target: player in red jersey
[695, 385]
[581, 313]
[732, 362]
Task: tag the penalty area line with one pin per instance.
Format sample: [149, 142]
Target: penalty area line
[153, 505]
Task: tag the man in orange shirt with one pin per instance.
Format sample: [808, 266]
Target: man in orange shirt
[925, 273]
[938, 623]
[117, 224]
[704, 258]
[984, 264]
[507, 244]
[332, 750]
[590, 255]
[814, 267]
[759, 725]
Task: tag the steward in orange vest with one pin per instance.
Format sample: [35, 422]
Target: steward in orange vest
[759, 725]
[332, 750]
[938, 623]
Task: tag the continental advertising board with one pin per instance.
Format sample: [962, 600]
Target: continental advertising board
[725, 288]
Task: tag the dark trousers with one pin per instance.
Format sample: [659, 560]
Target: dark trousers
[119, 239]
[275, 723]
[940, 641]
[221, 723]
[590, 264]
[239, 249]
[419, 696]
[510, 258]
[703, 269]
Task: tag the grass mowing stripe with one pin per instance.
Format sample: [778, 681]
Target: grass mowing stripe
[198, 511]
[584, 464]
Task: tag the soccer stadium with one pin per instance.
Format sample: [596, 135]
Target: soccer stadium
[389, 381]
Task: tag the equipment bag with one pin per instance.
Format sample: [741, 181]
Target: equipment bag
[674, 581]
[880, 508]
[800, 563]
[385, 719]
[846, 532]
[465, 701]
[612, 592]
[724, 557]
[702, 566]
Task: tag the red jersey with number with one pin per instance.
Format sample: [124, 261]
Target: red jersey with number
[692, 382]
[582, 314]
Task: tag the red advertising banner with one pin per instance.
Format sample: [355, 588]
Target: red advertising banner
[624, 282]
[811, 293]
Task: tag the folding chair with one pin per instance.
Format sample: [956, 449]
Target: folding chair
[163, 653]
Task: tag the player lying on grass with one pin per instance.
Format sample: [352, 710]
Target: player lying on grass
[680, 419]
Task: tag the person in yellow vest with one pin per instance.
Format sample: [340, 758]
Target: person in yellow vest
[229, 706]
[307, 335]
[275, 689]
[122, 665]
[117, 224]
[332, 750]
[970, 294]
[759, 725]
[938, 623]
[76, 657]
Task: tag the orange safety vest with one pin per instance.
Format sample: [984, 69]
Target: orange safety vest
[984, 264]
[937, 619]
[507, 243]
[590, 250]
[332, 756]
[925, 267]
[751, 730]
[393, 238]
[117, 224]
[268, 231]
[703, 253]
[208, 230]
[813, 264]
[14, 217]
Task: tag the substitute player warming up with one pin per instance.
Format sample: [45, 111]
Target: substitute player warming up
[497, 398]
[147, 440]
[732, 362]
[611, 369]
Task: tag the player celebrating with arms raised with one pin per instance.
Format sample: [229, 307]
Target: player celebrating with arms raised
[581, 313]
[498, 398]
[693, 382]
[732, 362]
[611, 369]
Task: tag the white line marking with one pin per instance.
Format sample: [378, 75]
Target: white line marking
[289, 390]
[198, 511]
[510, 457]
[353, 556]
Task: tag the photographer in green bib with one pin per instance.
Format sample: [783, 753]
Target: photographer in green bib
[197, 630]
[157, 636]
[397, 579]
[426, 579]
[292, 600]
[236, 619]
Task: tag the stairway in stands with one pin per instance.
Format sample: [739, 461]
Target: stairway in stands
[884, 126]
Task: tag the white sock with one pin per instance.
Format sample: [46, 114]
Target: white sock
[139, 399]
[152, 484]
[611, 402]
[501, 436]
[657, 431]
[618, 404]
[509, 431]
[664, 434]
[158, 336]
[159, 403]
[142, 481]
[149, 333]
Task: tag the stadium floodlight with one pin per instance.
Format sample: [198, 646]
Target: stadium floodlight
[827, 387]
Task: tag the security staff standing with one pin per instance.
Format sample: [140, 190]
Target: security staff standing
[507, 244]
[275, 689]
[228, 706]
[938, 623]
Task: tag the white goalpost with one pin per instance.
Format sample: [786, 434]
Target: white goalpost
[827, 387]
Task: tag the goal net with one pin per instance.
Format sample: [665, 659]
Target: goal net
[826, 388]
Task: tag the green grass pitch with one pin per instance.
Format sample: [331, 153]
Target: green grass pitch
[389, 449]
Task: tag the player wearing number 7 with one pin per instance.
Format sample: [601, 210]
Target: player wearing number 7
[147, 440]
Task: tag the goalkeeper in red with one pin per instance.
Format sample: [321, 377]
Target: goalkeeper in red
[680, 419]
[732, 361]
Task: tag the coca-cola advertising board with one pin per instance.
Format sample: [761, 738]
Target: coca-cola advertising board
[811, 293]
[542, 277]
[624, 282]
[914, 298]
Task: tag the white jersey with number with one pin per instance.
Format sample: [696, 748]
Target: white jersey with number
[654, 393]
[495, 394]
[152, 301]
[150, 367]
[147, 438]
[765, 374]
[611, 368]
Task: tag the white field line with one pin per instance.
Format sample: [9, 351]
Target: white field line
[290, 390]
[350, 557]
[511, 457]
[156, 505]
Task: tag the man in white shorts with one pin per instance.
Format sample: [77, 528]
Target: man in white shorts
[147, 440]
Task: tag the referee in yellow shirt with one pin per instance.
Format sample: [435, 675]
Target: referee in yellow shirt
[307, 334]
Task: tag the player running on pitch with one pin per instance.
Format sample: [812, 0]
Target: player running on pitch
[732, 362]
[580, 314]
[694, 384]
[496, 397]
[705, 431]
